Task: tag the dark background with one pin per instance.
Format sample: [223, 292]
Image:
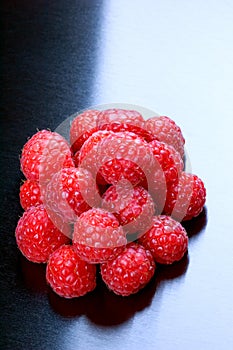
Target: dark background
[175, 57]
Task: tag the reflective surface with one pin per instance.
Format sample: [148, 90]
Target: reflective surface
[174, 58]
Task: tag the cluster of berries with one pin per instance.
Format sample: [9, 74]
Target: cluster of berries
[115, 197]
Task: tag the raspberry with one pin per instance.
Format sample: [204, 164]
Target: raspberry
[30, 194]
[92, 144]
[120, 116]
[98, 236]
[70, 192]
[88, 153]
[166, 239]
[82, 127]
[186, 200]
[123, 120]
[169, 160]
[133, 207]
[36, 235]
[166, 172]
[68, 275]
[166, 130]
[118, 156]
[130, 271]
[44, 154]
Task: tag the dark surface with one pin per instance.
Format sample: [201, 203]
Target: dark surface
[172, 57]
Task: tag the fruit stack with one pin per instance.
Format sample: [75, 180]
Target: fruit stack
[113, 197]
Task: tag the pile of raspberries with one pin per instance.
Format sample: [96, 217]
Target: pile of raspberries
[113, 197]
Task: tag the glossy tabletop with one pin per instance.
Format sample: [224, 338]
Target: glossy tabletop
[174, 57]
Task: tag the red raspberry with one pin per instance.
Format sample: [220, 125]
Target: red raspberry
[82, 127]
[166, 130]
[118, 156]
[187, 199]
[43, 155]
[30, 194]
[98, 236]
[133, 207]
[36, 235]
[130, 271]
[92, 145]
[120, 116]
[169, 160]
[70, 192]
[166, 239]
[167, 169]
[68, 275]
[123, 120]
[88, 152]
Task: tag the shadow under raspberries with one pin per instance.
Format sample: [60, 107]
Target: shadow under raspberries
[105, 308]
[102, 306]
[175, 270]
[196, 225]
[33, 276]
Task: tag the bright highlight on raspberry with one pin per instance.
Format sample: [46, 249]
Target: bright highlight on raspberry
[119, 179]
